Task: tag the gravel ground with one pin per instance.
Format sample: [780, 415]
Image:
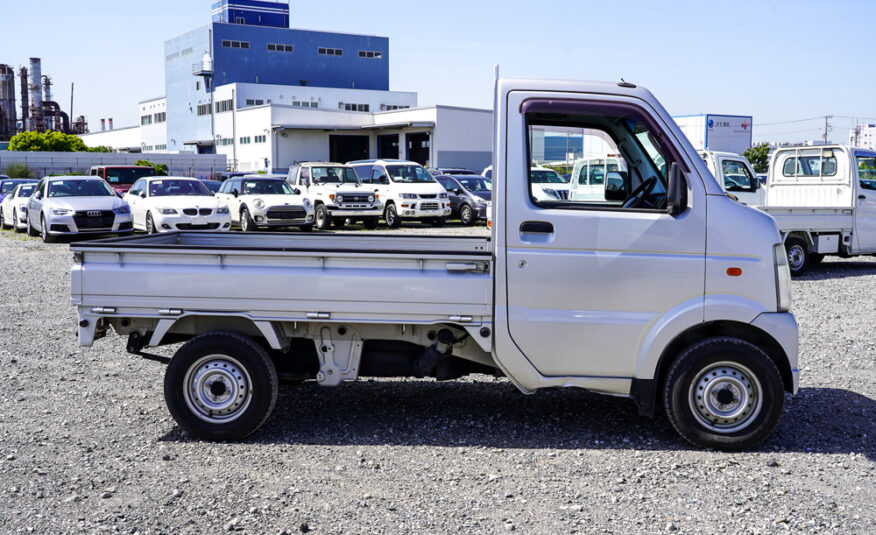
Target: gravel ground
[87, 445]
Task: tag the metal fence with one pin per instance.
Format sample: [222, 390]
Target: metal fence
[59, 163]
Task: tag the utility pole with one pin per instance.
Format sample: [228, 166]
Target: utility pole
[827, 119]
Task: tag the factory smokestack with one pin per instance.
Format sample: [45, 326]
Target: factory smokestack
[103, 125]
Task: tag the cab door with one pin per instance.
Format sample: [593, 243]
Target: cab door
[587, 280]
[865, 204]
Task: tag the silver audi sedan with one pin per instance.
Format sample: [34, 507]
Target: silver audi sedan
[75, 205]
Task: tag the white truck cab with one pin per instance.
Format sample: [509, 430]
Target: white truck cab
[735, 174]
[407, 191]
[824, 202]
[337, 194]
[667, 292]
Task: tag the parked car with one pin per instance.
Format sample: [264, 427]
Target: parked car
[121, 177]
[8, 185]
[13, 209]
[337, 194]
[166, 204]
[407, 191]
[675, 296]
[260, 201]
[470, 195]
[76, 205]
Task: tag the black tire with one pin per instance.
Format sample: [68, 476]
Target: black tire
[466, 215]
[15, 227]
[245, 400]
[322, 218]
[390, 215]
[30, 230]
[246, 222]
[150, 223]
[370, 223]
[44, 231]
[798, 256]
[747, 381]
[815, 258]
[306, 228]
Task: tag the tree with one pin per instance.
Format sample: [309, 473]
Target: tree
[160, 168]
[759, 156]
[19, 170]
[100, 148]
[53, 141]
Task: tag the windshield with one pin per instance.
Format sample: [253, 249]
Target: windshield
[867, 172]
[167, 188]
[409, 174]
[545, 176]
[79, 188]
[476, 184]
[7, 187]
[266, 187]
[25, 191]
[736, 176]
[333, 175]
[121, 175]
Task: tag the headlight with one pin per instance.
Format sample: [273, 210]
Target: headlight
[408, 196]
[62, 211]
[339, 199]
[783, 278]
[442, 195]
[167, 211]
[258, 203]
[223, 210]
[22, 207]
[371, 198]
[307, 203]
[481, 201]
[122, 210]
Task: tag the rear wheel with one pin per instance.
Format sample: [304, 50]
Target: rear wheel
[724, 393]
[246, 222]
[466, 215]
[220, 386]
[322, 217]
[798, 255]
[391, 217]
[371, 223]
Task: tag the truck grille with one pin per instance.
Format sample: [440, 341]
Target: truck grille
[428, 196]
[98, 219]
[429, 206]
[290, 212]
[357, 198]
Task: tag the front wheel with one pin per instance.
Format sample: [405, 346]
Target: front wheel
[798, 255]
[150, 224]
[466, 215]
[220, 386]
[246, 222]
[44, 231]
[322, 217]
[391, 217]
[724, 393]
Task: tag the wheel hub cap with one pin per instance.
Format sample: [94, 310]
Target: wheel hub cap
[795, 256]
[218, 389]
[725, 397]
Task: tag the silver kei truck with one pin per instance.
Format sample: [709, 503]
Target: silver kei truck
[665, 291]
[338, 194]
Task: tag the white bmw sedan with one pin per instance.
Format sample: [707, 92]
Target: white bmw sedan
[166, 204]
[74, 205]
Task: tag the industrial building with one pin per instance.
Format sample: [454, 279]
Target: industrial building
[720, 133]
[266, 96]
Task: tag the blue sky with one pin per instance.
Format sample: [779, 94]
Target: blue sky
[775, 60]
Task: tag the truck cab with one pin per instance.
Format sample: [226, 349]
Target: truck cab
[735, 174]
[337, 194]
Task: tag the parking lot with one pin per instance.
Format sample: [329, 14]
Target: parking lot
[87, 444]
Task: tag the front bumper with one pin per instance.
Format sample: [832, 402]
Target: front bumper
[68, 225]
[782, 326]
[283, 216]
[354, 210]
[211, 223]
[481, 211]
[415, 209]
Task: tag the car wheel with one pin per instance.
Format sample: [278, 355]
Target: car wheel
[150, 223]
[322, 218]
[3, 224]
[15, 227]
[370, 223]
[246, 222]
[798, 255]
[724, 393]
[30, 230]
[44, 231]
[466, 215]
[391, 217]
[220, 386]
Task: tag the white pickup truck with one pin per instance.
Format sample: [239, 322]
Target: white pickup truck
[735, 173]
[824, 202]
[673, 295]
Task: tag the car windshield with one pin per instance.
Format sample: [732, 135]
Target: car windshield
[167, 188]
[266, 187]
[79, 188]
[127, 175]
[25, 191]
[546, 176]
[476, 184]
[7, 187]
[409, 174]
[333, 175]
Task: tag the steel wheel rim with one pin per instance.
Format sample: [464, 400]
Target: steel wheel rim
[217, 389]
[796, 257]
[726, 397]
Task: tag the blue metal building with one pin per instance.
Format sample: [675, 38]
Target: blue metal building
[249, 42]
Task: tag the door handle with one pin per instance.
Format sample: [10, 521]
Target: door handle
[862, 197]
[537, 227]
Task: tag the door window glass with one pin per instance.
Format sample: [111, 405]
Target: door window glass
[737, 176]
[810, 163]
[867, 172]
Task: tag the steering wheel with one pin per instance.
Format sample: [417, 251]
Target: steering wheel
[639, 196]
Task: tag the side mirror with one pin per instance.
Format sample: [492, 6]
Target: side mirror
[383, 179]
[235, 192]
[755, 184]
[38, 195]
[676, 191]
[615, 188]
[142, 194]
[296, 191]
[457, 191]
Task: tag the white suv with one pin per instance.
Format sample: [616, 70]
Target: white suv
[260, 201]
[406, 190]
[337, 194]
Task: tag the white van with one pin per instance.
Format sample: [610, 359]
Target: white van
[407, 191]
